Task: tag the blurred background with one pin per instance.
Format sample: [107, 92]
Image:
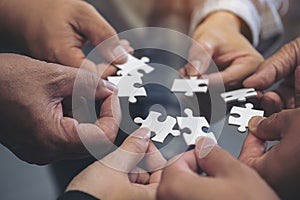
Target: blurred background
[19, 180]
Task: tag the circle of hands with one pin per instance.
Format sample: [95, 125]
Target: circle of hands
[37, 124]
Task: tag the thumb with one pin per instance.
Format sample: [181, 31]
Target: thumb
[94, 27]
[277, 67]
[271, 128]
[212, 159]
[130, 153]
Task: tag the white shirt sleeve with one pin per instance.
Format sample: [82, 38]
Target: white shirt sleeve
[261, 16]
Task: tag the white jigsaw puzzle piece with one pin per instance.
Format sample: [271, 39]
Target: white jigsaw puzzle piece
[245, 114]
[126, 86]
[194, 124]
[239, 95]
[189, 86]
[133, 65]
[161, 129]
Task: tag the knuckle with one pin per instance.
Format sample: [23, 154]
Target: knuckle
[136, 145]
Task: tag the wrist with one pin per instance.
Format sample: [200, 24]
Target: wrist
[231, 21]
[224, 17]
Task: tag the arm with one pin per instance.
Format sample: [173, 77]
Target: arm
[56, 30]
[223, 32]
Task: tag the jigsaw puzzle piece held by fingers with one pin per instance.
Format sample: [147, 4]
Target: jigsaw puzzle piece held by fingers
[239, 95]
[133, 65]
[245, 114]
[126, 86]
[194, 124]
[189, 86]
[161, 129]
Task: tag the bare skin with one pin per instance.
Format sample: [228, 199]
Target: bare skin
[227, 46]
[227, 177]
[33, 125]
[56, 30]
[117, 176]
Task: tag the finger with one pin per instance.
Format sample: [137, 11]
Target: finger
[139, 175]
[234, 74]
[81, 83]
[179, 179]
[252, 149]
[126, 44]
[105, 69]
[70, 56]
[130, 153]
[92, 25]
[182, 72]
[155, 163]
[272, 103]
[271, 128]
[110, 116]
[200, 55]
[297, 87]
[212, 159]
[287, 95]
[78, 138]
[277, 67]
[154, 159]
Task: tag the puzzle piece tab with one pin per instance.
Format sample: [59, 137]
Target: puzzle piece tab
[126, 86]
[194, 124]
[133, 65]
[161, 129]
[189, 86]
[239, 95]
[245, 114]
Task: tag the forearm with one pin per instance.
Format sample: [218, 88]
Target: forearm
[261, 17]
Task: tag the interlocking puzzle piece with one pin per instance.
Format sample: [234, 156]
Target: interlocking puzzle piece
[240, 95]
[161, 129]
[133, 65]
[194, 124]
[126, 86]
[189, 86]
[245, 114]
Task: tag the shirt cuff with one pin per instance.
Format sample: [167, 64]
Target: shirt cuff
[243, 9]
[76, 195]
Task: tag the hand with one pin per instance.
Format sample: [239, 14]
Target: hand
[219, 38]
[282, 65]
[117, 176]
[55, 30]
[32, 124]
[227, 178]
[279, 166]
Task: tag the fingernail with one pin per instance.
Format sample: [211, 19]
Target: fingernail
[196, 64]
[254, 122]
[110, 86]
[119, 52]
[143, 133]
[204, 144]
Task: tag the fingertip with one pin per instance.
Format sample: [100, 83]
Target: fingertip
[255, 122]
[142, 133]
[119, 55]
[110, 86]
[204, 145]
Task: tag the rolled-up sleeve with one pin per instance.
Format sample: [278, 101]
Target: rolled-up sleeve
[261, 16]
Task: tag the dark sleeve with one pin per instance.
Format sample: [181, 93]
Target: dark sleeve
[76, 195]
